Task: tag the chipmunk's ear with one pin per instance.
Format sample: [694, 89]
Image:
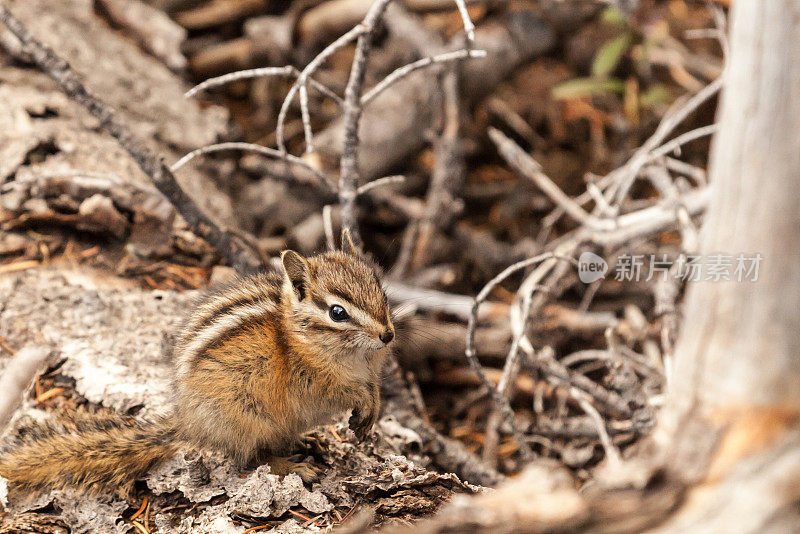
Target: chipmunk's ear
[347, 243]
[296, 268]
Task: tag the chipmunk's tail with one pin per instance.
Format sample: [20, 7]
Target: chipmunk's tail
[89, 452]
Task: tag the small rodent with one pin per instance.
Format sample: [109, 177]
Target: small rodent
[257, 364]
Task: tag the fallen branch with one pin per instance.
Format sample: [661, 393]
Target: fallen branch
[523, 163]
[391, 132]
[235, 252]
[288, 70]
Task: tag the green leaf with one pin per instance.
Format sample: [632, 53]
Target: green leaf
[656, 95]
[612, 15]
[609, 56]
[581, 87]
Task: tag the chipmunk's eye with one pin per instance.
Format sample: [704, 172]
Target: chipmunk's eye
[338, 313]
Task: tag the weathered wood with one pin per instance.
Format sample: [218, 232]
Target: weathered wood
[728, 457]
[741, 343]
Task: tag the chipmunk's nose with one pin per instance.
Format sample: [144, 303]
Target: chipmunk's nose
[386, 336]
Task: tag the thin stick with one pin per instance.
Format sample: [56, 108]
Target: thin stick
[500, 401]
[682, 139]
[650, 220]
[559, 375]
[239, 75]
[523, 163]
[511, 269]
[263, 150]
[236, 253]
[288, 70]
[695, 173]
[520, 313]
[306, 118]
[306, 73]
[626, 175]
[449, 173]
[449, 168]
[327, 224]
[386, 180]
[405, 70]
[469, 27]
[348, 182]
[611, 451]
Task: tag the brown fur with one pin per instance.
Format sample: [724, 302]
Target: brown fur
[94, 453]
[258, 363]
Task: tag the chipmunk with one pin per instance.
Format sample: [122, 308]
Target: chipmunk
[258, 363]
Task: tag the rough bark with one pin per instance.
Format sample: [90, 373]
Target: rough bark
[738, 358]
[741, 341]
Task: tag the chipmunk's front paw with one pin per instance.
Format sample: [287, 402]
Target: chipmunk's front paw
[307, 471]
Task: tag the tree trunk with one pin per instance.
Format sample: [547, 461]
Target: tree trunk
[736, 382]
[740, 344]
[729, 440]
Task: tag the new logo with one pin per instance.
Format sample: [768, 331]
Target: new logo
[591, 267]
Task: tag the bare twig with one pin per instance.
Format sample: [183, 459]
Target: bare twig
[528, 167]
[306, 118]
[650, 220]
[321, 181]
[675, 144]
[327, 224]
[59, 70]
[500, 401]
[611, 451]
[348, 181]
[522, 309]
[419, 64]
[288, 70]
[446, 182]
[469, 27]
[380, 182]
[559, 375]
[619, 229]
[239, 75]
[695, 173]
[626, 175]
[306, 73]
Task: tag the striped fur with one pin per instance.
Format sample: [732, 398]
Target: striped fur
[95, 453]
[261, 362]
[258, 363]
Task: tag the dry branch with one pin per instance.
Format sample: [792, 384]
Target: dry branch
[447, 453]
[320, 181]
[395, 123]
[60, 71]
[528, 167]
[348, 180]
